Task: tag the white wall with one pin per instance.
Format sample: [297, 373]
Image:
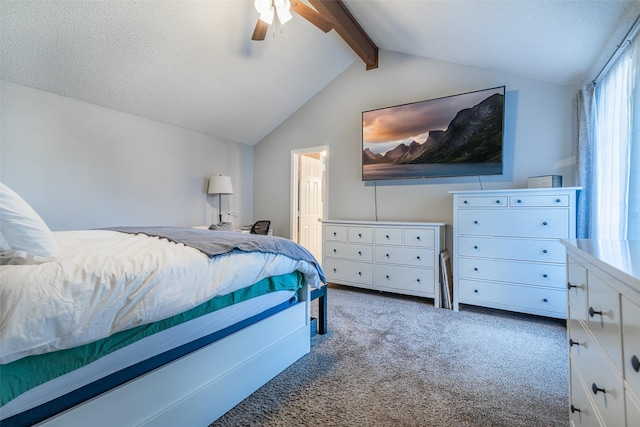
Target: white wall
[83, 166]
[539, 135]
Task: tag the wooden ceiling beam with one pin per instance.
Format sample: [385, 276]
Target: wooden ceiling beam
[349, 30]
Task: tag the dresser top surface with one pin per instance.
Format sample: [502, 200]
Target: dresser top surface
[516, 190]
[382, 223]
[620, 258]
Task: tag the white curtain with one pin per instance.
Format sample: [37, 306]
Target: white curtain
[584, 171]
[615, 158]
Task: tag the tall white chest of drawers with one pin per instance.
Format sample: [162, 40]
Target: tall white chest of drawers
[604, 332]
[506, 249]
[399, 257]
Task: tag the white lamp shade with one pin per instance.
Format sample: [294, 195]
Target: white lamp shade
[284, 15]
[265, 9]
[282, 9]
[219, 184]
[267, 16]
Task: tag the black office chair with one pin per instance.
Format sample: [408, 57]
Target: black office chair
[260, 227]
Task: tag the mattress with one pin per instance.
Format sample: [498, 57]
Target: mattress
[103, 284]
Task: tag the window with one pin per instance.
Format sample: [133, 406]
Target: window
[611, 176]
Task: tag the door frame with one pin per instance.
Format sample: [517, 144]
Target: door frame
[295, 185]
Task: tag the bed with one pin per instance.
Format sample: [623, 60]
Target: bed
[143, 326]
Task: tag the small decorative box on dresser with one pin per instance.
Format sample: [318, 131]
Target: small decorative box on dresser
[400, 257]
[506, 249]
[604, 332]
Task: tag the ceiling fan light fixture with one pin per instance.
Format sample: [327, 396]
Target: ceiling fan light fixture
[267, 16]
[283, 10]
[265, 9]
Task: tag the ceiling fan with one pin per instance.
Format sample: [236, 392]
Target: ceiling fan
[270, 9]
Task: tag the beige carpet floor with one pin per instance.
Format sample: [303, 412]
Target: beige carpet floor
[391, 360]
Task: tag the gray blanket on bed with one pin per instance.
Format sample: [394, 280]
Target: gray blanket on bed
[215, 242]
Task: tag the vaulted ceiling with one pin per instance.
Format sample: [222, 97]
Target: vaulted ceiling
[192, 63]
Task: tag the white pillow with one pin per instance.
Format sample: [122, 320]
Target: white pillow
[23, 234]
[224, 226]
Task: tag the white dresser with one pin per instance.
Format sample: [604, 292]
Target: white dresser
[506, 249]
[400, 257]
[604, 332]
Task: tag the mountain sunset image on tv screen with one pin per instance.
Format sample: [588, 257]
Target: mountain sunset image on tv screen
[459, 135]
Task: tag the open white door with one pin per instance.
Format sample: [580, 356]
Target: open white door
[309, 178]
[310, 203]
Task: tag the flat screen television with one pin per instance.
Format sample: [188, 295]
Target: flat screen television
[458, 135]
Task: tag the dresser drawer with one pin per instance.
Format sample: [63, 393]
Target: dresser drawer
[582, 348]
[419, 237]
[335, 232]
[552, 275]
[605, 388]
[604, 317]
[577, 284]
[407, 278]
[596, 369]
[407, 256]
[387, 236]
[633, 409]
[483, 201]
[582, 413]
[350, 251]
[541, 250]
[631, 343]
[348, 271]
[526, 299]
[545, 223]
[548, 200]
[360, 235]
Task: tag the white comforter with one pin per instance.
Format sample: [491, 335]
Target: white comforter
[104, 282]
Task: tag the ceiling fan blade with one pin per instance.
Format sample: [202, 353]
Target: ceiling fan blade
[260, 31]
[312, 16]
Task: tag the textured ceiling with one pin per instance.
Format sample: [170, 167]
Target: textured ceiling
[192, 63]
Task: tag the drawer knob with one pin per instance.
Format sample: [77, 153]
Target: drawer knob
[418, 258]
[476, 291]
[359, 273]
[387, 276]
[360, 253]
[335, 234]
[558, 200]
[574, 409]
[466, 202]
[572, 342]
[418, 280]
[498, 201]
[475, 222]
[387, 236]
[545, 299]
[545, 275]
[475, 268]
[596, 389]
[519, 201]
[569, 285]
[592, 312]
[360, 235]
[388, 256]
[334, 270]
[545, 223]
[335, 251]
[475, 247]
[635, 363]
[544, 251]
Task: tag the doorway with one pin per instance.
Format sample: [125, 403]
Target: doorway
[308, 201]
